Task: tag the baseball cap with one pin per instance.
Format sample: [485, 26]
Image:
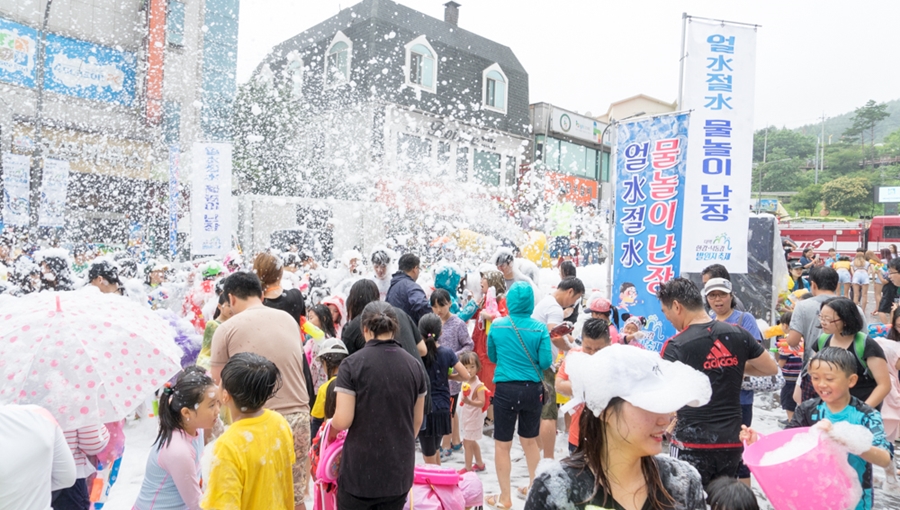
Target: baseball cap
[720, 284]
[637, 376]
[104, 268]
[600, 305]
[332, 346]
[796, 265]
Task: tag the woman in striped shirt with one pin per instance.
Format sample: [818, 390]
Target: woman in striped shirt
[172, 478]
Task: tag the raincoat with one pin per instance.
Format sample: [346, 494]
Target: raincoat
[505, 347]
[447, 277]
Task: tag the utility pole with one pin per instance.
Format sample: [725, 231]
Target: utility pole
[37, 156]
[822, 159]
[816, 159]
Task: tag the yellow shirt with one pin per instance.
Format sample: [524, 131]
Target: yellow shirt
[842, 264]
[251, 466]
[318, 410]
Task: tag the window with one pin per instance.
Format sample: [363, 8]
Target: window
[171, 122]
[421, 64]
[495, 90]
[603, 163]
[487, 167]
[891, 232]
[571, 158]
[551, 154]
[175, 23]
[337, 61]
[413, 153]
[512, 174]
[443, 158]
[462, 164]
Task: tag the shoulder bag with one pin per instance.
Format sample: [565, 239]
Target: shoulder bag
[547, 393]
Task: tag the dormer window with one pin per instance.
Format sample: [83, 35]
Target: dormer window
[337, 61]
[421, 64]
[495, 90]
[295, 74]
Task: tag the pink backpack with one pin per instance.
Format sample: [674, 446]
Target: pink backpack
[328, 468]
[435, 488]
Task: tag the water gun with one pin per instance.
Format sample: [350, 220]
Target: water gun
[466, 389]
[490, 306]
[311, 330]
[879, 330]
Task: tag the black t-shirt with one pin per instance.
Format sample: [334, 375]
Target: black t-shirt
[290, 301]
[438, 374]
[720, 351]
[866, 382]
[564, 486]
[386, 382]
[888, 295]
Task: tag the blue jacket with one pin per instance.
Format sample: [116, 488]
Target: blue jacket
[408, 296]
[504, 347]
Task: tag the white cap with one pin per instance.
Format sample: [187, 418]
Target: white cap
[720, 284]
[637, 376]
[332, 346]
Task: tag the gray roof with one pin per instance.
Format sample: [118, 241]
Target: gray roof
[392, 13]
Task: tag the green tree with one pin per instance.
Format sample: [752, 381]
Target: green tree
[791, 143]
[780, 173]
[851, 195]
[808, 199]
[865, 119]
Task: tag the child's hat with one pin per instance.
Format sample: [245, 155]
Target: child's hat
[332, 346]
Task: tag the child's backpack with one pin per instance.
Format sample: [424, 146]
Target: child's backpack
[435, 488]
[859, 347]
[325, 459]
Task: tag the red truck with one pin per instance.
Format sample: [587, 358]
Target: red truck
[844, 236]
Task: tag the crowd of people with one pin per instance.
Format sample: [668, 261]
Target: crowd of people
[293, 362]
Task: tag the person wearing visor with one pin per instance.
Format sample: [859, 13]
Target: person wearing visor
[602, 308]
[618, 462]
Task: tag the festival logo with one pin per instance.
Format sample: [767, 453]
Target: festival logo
[17, 53]
[717, 248]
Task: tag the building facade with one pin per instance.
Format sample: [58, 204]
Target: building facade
[126, 85]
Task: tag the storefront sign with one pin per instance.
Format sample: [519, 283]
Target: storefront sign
[90, 71]
[17, 53]
[719, 79]
[54, 183]
[16, 178]
[88, 152]
[578, 191]
[650, 171]
[576, 126]
[211, 199]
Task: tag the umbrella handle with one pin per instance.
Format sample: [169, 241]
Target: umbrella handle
[58, 305]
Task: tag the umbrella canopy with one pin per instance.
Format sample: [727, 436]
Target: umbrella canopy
[85, 356]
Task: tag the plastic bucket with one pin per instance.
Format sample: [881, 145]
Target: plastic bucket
[820, 478]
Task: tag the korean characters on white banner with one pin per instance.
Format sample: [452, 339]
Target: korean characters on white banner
[211, 199]
[719, 81]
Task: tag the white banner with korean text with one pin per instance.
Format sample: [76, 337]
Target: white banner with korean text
[719, 82]
[54, 185]
[16, 179]
[211, 199]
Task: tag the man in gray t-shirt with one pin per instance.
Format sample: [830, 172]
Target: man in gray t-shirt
[805, 319]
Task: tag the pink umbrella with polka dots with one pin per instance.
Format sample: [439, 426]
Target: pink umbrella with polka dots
[85, 356]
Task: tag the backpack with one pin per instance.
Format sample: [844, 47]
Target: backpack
[435, 488]
[325, 461]
[859, 347]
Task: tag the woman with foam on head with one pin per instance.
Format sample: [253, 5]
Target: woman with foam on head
[619, 461]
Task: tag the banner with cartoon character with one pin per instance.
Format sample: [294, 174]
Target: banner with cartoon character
[650, 170]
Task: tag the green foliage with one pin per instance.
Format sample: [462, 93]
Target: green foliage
[808, 199]
[851, 195]
[837, 124]
[791, 143]
[780, 173]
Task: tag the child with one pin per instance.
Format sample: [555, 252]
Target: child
[438, 362]
[253, 459]
[631, 331]
[842, 266]
[325, 493]
[331, 353]
[172, 477]
[790, 359]
[472, 412]
[223, 313]
[833, 373]
[730, 494]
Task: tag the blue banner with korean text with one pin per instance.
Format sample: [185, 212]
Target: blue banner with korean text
[650, 172]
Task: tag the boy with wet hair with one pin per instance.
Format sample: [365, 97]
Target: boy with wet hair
[833, 373]
[252, 460]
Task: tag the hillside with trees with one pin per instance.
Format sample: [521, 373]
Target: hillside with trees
[864, 155]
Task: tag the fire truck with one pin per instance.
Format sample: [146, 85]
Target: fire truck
[844, 236]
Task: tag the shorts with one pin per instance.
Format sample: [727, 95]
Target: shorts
[517, 402]
[787, 396]
[300, 426]
[347, 501]
[454, 401]
[550, 409]
[437, 425]
[73, 498]
[844, 275]
[713, 463]
[861, 277]
[560, 246]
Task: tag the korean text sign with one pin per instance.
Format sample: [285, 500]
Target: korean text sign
[54, 185]
[650, 171]
[211, 199]
[90, 71]
[719, 78]
[16, 194]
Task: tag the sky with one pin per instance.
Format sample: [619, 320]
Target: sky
[813, 57]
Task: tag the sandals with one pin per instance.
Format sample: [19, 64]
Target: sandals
[522, 492]
[493, 501]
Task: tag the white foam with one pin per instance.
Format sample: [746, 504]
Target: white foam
[797, 446]
[855, 438]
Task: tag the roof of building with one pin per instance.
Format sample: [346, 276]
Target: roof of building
[392, 13]
[673, 104]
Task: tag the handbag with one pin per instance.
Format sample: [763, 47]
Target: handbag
[548, 392]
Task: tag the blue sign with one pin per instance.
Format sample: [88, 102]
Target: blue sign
[650, 171]
[18, 50]
[90, 71]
